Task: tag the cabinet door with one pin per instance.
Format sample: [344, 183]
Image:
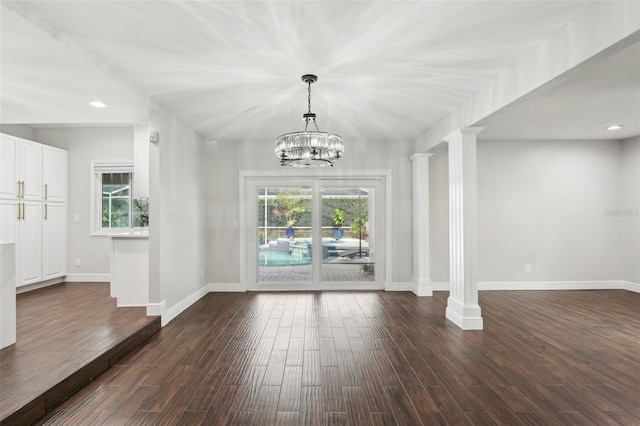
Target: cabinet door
[54, 236]
[9, 211]
[54, 174]
[8, 168]
[29, 245]
[30, 169]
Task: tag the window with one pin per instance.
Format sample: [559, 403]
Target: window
[116, 200]
[112, 205]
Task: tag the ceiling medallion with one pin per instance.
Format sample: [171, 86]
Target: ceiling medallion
[309, 148]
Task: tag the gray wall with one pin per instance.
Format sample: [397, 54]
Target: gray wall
[630, 206]
[177, 217]
[226, 160]
[83, 145]
[18, 130]
[541, 203]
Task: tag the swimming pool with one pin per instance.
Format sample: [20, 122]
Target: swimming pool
[280, 258]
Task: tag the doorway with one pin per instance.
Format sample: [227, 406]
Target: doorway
[314, 234]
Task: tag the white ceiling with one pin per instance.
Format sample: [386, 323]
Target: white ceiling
[387, 70]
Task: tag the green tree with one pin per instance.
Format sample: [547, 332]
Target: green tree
[289, 204]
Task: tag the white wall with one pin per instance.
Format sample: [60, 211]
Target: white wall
[177, 218]
[439, 214]
[83, 145]
[630, 206]
[227, 159]
[541, 203]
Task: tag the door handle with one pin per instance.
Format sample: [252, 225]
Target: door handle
[46, 210]
[46, 191]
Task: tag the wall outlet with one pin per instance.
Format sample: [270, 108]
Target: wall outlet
[77, 262]
[76, 218]
[527, 269]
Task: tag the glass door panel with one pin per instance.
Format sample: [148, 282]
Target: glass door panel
[348, 237]
[284, 240]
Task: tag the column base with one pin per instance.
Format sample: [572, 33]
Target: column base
[466, 316]
[422, 288]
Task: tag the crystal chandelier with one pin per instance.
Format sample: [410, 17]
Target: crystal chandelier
[309, 148]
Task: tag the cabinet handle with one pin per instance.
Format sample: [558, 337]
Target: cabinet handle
[22, 194]
[18, 188]
[19, 211]
[24, 211]
[46, 210]
[46, 191]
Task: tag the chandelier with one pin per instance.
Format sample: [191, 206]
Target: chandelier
[309, 148]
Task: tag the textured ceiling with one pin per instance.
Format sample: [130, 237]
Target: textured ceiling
[387, 70]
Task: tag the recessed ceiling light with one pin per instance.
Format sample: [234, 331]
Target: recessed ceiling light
[98, 104]
[614, 127]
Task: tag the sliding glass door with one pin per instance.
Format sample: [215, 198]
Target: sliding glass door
[284, 240]
[319, 234]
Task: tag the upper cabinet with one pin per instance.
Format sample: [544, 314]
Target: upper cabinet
[54, 172]
[21, 169]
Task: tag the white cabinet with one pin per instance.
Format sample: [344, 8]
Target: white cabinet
[54, 173]
[9, 182]
[54, 240]
[33, 192]
[30, 169]
[21, 171]
[29, 244]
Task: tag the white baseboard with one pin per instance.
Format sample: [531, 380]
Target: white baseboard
[226, 288]
[398, 286]
[440, 286]
[178, 308]
[550, 285]
[41, 284]
[628, 285]
[88, 278]
[156, 309]
[421, 288]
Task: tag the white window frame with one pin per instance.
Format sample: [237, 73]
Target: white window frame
[99, 167]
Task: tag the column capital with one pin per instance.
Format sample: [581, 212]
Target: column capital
[465, 131]
[420, 155]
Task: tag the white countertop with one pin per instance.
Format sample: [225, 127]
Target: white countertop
[131, 234]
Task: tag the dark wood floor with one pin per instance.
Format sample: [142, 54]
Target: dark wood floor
[67, 334]
[544, 358]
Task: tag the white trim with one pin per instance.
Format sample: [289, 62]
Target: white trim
[421, 288]
[440, 286]
[156, 309]
[249, 180]
[181, 306]
[41, 284]
[226, 288]
[98, 167]
[551, 285]
[398, 286]
[89, 278]
[628, 285]
[467, 316]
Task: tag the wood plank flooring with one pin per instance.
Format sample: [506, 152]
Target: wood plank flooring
[67, 334]
[377, 358]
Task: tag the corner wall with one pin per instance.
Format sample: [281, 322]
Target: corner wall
[177, 217]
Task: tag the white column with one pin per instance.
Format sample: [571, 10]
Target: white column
[420, 208]
[462, 304]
